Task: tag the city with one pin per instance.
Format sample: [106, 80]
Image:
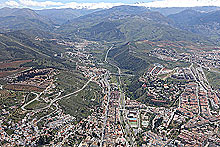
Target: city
[189, 117]
[109, 74]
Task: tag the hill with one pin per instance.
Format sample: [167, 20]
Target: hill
[137, 56]
[174, 10]
[206, 24]
[61, 16]
[125, 23]
[20, 19]
[18, 45]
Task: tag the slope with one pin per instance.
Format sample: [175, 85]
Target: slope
[125, 23]
[136, 56]
[19, 19]
[61, 16]
[206, 24]
[17, 45]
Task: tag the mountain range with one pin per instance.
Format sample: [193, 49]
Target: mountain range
[118, 25]
[125, 23]
[202, 23]
[61, 16]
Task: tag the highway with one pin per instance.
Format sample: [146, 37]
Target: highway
[106, 56]
[127, 129]
[116, 74]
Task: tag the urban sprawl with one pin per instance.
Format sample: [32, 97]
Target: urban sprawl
[182, 111]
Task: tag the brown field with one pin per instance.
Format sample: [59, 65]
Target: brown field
[13, 64]
[8, 73]
[17, 87]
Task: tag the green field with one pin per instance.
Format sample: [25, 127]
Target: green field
[213, 78]
[82, 103]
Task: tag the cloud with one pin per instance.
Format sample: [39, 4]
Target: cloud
[51, 4]
[31, 3]
[181, 3]
[103, 5]
[75, 5]
[12, 4]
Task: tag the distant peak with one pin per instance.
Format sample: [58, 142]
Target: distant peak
[180, 3]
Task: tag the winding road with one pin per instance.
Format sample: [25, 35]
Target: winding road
[57, 98]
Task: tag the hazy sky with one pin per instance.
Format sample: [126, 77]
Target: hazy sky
[86, 1]
[98, 1]
[94, 4]
[66, 3]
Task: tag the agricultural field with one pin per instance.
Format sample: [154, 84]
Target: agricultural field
[8, 68]
[16, 87]
[13, 64]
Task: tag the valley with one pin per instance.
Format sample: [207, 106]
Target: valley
[124, 76]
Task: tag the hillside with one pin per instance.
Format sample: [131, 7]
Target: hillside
[61, 16]
[125, 23]
[206, 24]
[118, 24]
[17, 45]
[136, 56]
[120, 76]
[20, 19]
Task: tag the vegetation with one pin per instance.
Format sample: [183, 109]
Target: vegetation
[135, 23]
[198, 22]
[213, 78]
[82, 103]
[11, 101]
[135, 57]
[70, 81]
[35, 105]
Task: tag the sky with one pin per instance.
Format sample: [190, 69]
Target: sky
[94, 4]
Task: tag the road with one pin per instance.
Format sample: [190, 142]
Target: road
[127, 129]
[200, 77]
[55, 111]
[116, 74]
[106, 56]
[37, 98]
[57, 98]
[106, 111]
[171, 118]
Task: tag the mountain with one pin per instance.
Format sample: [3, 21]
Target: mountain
[174, 10]
[124, 23]
[61, 16]
[114, 13]
[206, 24]
[18, 45]
[119, 24]
[19, 19]
[186, 17]
[136, 56]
